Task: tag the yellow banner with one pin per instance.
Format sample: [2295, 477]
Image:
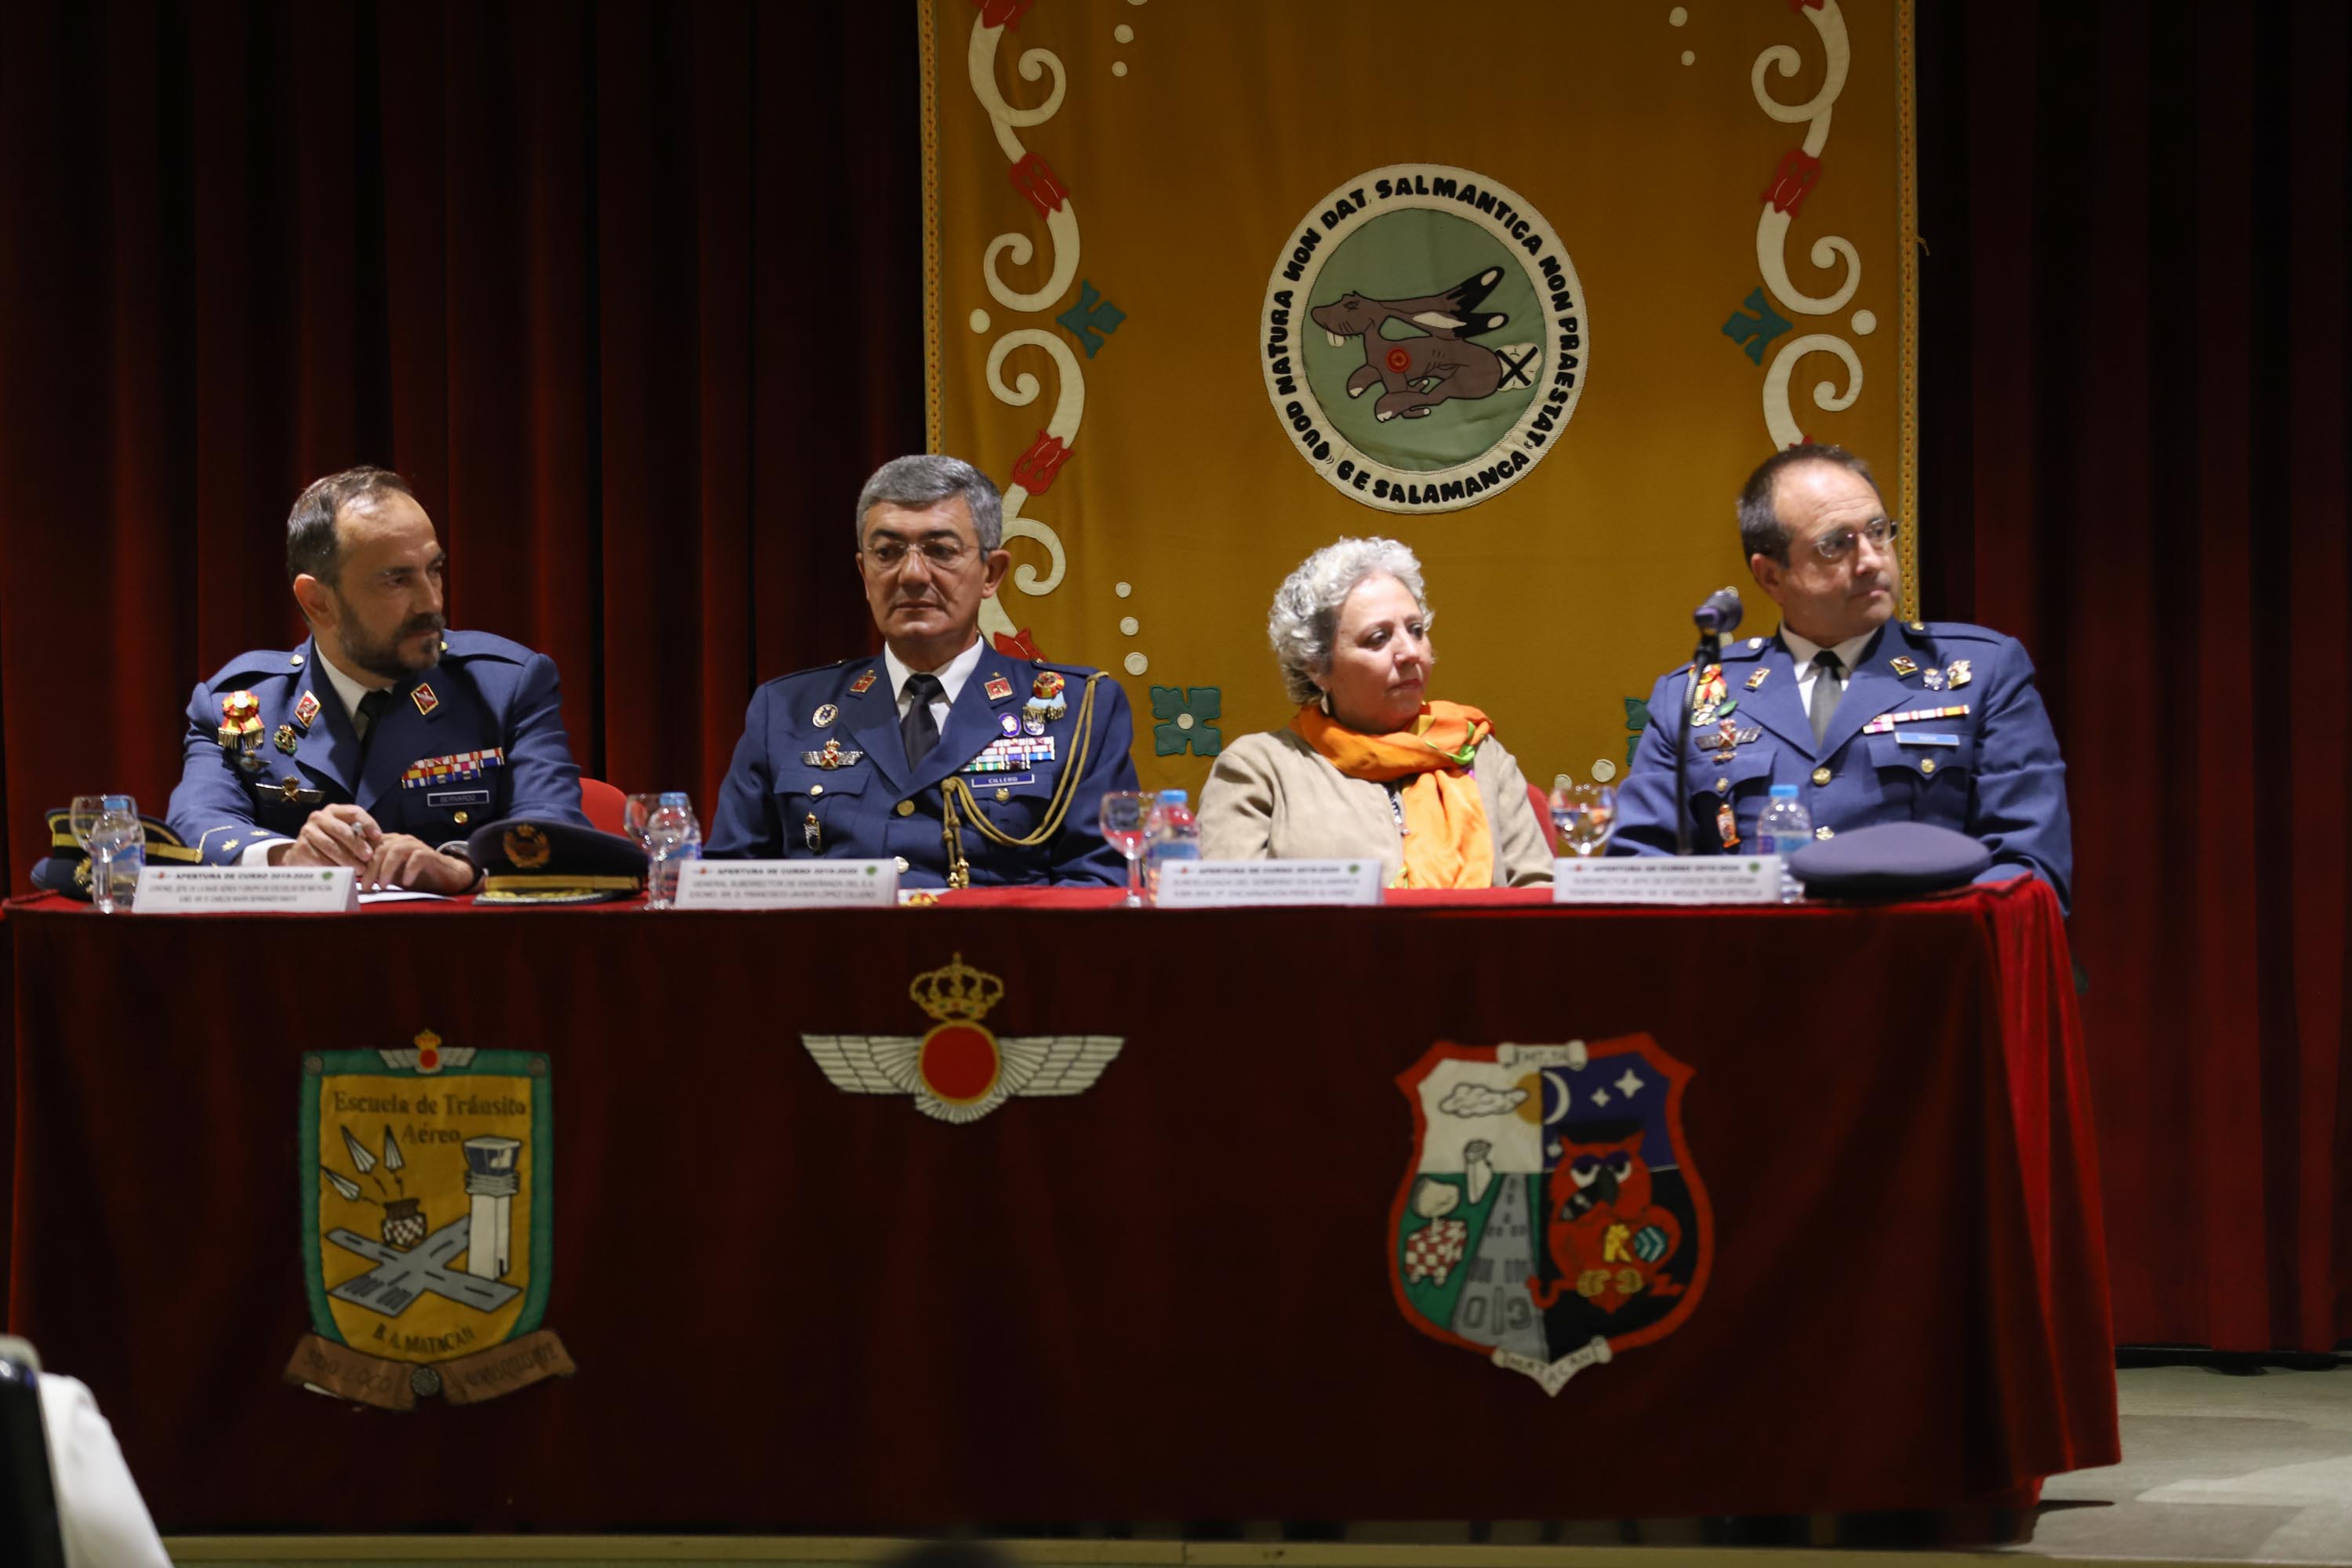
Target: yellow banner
[1531, 288]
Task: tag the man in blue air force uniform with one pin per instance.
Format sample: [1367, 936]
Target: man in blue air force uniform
[1873, 719]
[964, 765]
[384, 739]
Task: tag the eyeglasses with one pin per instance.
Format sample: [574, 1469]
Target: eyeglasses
[1836, 547]
[946, 554]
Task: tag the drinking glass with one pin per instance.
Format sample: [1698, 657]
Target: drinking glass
[115, 828]
[1124, 812]
[1582, 815]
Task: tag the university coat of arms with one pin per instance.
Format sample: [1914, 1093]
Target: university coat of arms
[428, 1219]
[1552, 1219]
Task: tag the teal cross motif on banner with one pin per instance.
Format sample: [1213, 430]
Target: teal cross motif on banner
[1184, 713]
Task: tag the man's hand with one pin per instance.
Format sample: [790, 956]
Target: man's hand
[402, 861]
[334, 836]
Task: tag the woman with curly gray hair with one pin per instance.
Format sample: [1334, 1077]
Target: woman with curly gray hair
[1370, 766]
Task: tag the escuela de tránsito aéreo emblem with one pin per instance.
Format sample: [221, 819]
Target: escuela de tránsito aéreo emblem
[427, 1223]
[1551, 1219]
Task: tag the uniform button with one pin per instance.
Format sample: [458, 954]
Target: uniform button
[1927, 764]
[1825, 833]
[297, 661]
[1002, 796]
[1821, 775]
[900, 861]
[816, 789]
[1918, 625]
[458, 818]
[1721, 784]
[905, 808]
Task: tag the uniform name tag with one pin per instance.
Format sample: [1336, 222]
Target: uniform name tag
[1908, 740]
[442, 797]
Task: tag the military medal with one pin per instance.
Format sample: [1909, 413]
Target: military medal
[1903, 665]
[1757, 679]
[1727, 826]
[284, 739]
[862, 685]
[305, 712]
[1933, 680]
[1007, 722]
[1958, 674]
[425, 700]
[999, 688]
[811, 834]
[1032, 724]
[1709, 692]
[824, 715]
[290, 790]
[1728, 736]
[1045, 700]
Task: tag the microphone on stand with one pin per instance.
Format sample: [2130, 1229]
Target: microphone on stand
[1719, 615]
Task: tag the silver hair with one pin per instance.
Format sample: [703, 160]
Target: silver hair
[927, 478]
[1305, 615]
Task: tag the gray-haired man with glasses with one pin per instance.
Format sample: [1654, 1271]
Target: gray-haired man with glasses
[966, 765]
[1873, 719]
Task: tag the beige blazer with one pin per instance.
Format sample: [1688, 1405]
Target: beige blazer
[1272, 796]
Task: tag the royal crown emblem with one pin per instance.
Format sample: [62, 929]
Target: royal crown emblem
[960, 1070]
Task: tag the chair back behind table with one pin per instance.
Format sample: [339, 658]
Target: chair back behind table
[602, 804]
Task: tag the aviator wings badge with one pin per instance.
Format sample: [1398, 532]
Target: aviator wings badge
[960, 1070]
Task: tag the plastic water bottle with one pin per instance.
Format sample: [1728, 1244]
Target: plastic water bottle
[672, 837]
[1786, 828]
[1169, 834]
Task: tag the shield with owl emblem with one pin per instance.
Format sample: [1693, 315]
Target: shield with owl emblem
[1552, 1219]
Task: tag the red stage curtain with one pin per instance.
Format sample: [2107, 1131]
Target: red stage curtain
[630, 293]
[2135, 419]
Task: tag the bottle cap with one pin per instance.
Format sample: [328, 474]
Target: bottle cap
[673, 798]
[1171, 797]
[1784, 792]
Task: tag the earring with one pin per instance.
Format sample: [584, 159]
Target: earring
[1324, 702]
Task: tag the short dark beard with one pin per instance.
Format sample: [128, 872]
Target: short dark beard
[383, 657]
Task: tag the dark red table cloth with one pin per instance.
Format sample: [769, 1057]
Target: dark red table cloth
[1166, 1298]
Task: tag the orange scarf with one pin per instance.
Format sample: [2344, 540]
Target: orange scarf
[1446, 840]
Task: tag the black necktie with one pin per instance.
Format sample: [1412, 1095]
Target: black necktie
[372, 706]
[917, 727]
[1826, 692]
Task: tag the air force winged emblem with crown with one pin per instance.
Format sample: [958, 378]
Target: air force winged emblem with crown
[961, 1071]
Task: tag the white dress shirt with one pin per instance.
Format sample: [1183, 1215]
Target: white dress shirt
[951, 677]
[1802, 649]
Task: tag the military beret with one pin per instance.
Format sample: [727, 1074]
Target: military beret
[66, 869]
[524, 861]
[1892, 861]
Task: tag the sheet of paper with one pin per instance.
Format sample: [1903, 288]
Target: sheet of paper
[1667, 879]
[246, 889]
[1226, 884]
[787, 884]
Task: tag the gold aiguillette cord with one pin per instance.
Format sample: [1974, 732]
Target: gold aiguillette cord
[953, 791]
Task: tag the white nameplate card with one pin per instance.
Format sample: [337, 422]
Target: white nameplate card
[246, 890]
[1667, 879]
[787, 884]
[1229, 884]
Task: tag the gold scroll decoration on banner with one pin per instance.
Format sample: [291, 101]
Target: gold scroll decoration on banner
[1213, 284]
